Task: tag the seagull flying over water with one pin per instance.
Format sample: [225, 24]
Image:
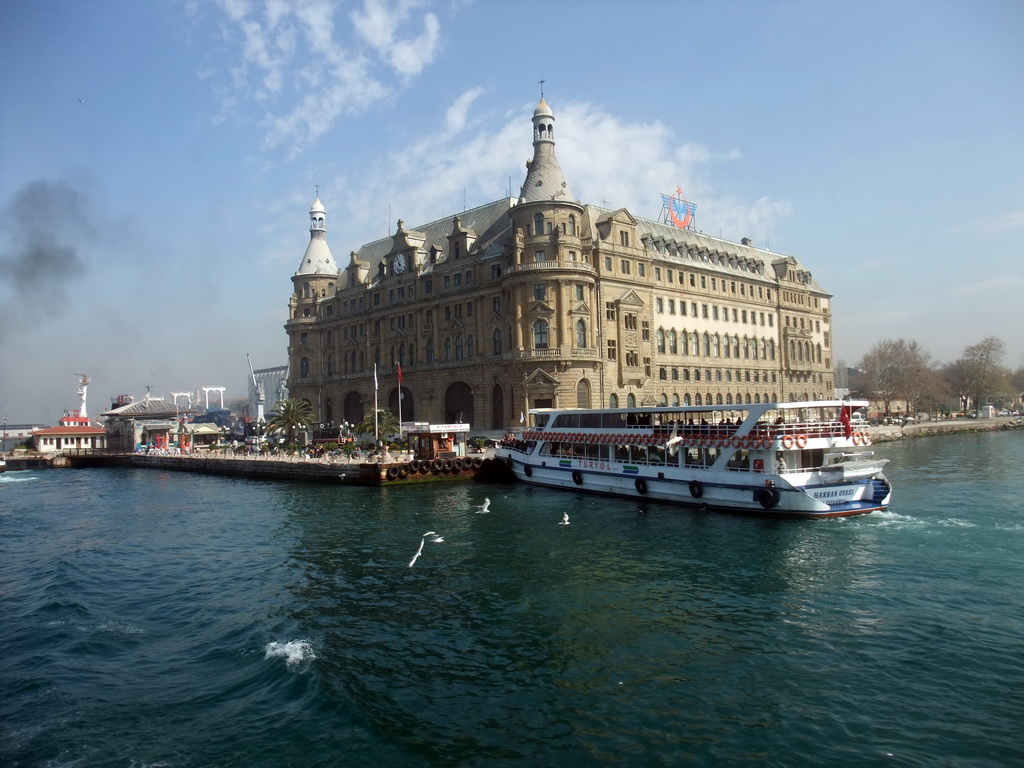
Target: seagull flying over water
[483, 509]
[565, 519]
[436, 540]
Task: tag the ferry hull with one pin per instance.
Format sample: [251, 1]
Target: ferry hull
[720, 493]
[777, 459]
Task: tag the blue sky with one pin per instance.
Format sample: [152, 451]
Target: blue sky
[158, 159]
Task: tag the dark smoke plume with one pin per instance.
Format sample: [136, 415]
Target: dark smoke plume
[39, 229]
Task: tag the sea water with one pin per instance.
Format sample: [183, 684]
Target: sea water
[151, 618]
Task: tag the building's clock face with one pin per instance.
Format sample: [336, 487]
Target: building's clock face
[398, 265]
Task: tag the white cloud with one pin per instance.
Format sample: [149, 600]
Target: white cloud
[606, 160]
[990, 286]
[305, 74]
[1012, 220]
[455, 116]
[378, 24]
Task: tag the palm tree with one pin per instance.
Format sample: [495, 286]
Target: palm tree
[386, 423]
[290, 415]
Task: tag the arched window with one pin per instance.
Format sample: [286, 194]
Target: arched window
[661, 342]
[694, 344]
[458, 347]
[613, 401]
[401, 354]
[496, 341]
[771, 353]
[716, 346]
[583, 394]
[304, 367]
[728, 398]
[572, 225]
[673, 346]
[718, 399]
[305, 290]
[707, 345]
[686, 399]
[697, 399]
[581, 334]
[540, 334]
[664, 399]
[753, 348]
[448, 348]
[675, 399]
[430, 350]
[631, 400]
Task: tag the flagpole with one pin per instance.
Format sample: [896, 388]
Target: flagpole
[376, 435]
[400, 401]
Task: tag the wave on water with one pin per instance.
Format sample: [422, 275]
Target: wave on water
[7, 477]
[294, 652]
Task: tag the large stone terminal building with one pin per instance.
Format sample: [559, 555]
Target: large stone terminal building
[546, 301]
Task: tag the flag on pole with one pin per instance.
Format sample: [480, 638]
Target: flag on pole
[399, 373]
[522, 417]
[844, 419]
[375, 376]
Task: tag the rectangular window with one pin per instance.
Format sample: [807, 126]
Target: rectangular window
[641, 269]
[693, 280]
[538, 256]
[572, 255]
[391, 296]
[401, 293]
[469, 277]
[458, 279]
[659, 304]
[469, 309]
[682, 308]
[669, 273]
[624, 238]
[714, 284]
[693, 309]
[714, 313]
[743, 314]
[579, 293]
[447, 313]
[607, 263]
[376, 299]
[495, 271]
[429, 320]
[446, 281]
[671, 306]
[645, 330]
[496, 305]
[625, 267]
[704, 311]
[428, 286]
[609, 311]
[657, 273]
[538, 291]
[703, 281]
[611, 350]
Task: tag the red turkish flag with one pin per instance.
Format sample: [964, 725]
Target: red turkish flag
[844, 419]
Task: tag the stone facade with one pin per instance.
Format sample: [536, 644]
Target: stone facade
[545, 301]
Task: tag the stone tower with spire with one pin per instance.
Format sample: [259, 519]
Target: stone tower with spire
[313, 285]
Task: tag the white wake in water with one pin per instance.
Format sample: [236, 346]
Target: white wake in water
[294, 651]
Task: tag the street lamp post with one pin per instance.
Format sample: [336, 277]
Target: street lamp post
[3, 445]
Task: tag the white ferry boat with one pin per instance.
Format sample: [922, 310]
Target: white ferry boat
[801, 459]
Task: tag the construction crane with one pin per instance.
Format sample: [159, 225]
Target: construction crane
[260, 398]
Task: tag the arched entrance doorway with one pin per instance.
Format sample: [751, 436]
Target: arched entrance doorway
[458, 404]
[353, 407]
[408, 405]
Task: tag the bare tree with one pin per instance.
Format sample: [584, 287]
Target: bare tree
[981, 369]
[897, 370]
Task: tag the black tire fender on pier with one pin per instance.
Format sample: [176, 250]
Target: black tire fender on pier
[403, 472]
[392, 472]
[436, 464]
[577, 478]
[414, 465]
[528, 470]
[696, 489]
[478, 462]
[641, 485]
[768, 497]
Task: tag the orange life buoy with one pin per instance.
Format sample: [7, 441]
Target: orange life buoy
[787, 441]
[865, 438]
[857, 439]
[801, 441]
